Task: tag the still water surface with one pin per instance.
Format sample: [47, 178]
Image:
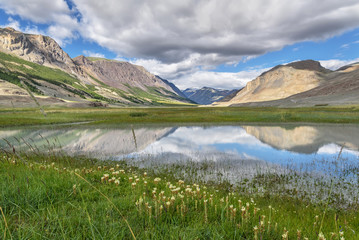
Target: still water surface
[284, 144]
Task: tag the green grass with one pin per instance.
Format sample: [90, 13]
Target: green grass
[53, 196]
[36, 71]
[154, 97]
[13, 78]
[32, 72]
[94, 59]
[179, 115]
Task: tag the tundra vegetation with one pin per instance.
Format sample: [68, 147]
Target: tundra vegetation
[178, 115]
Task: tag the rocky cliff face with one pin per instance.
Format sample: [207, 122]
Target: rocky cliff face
[206, 95]
[39, 49]
[34, 48]
[174, 88]
[118, 74]
[281, 82]
[125, 76]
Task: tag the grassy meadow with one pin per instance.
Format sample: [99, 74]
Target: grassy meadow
[28, 116]
[54, 196]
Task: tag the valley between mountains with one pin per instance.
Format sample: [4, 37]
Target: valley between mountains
[34, 70]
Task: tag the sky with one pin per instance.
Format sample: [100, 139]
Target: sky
[214, 43]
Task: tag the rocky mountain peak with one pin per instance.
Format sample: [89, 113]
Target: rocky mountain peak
[34, 48]
[124, 75]
[81, 60]
[282, 81]
[10, 29]
[310, 65]
[206, 95]
[349, 68]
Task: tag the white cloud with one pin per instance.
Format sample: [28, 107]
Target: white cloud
[39, 11]
[171, 31]
[226, 80]
[170, 70]
[16, 25]
[187, 74]
[334, 64]
[12, 23]
[89, 53]
[61, 34]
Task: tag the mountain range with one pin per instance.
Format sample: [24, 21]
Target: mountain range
[34, 68]
[302, 83]
[207, 95]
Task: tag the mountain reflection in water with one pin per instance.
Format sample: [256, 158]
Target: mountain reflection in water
[274, 144]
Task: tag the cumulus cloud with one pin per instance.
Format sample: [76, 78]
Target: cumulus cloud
[89, 53]
[185, 74]
[334, 64]
[40, 11]
[16, 25]
[56, 13]
[12, 23]
[173, 31]
[226, 80]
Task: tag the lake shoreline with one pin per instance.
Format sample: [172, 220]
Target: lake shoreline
[187, 115]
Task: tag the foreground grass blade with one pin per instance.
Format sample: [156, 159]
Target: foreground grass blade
[6, 226]
[109, 200]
